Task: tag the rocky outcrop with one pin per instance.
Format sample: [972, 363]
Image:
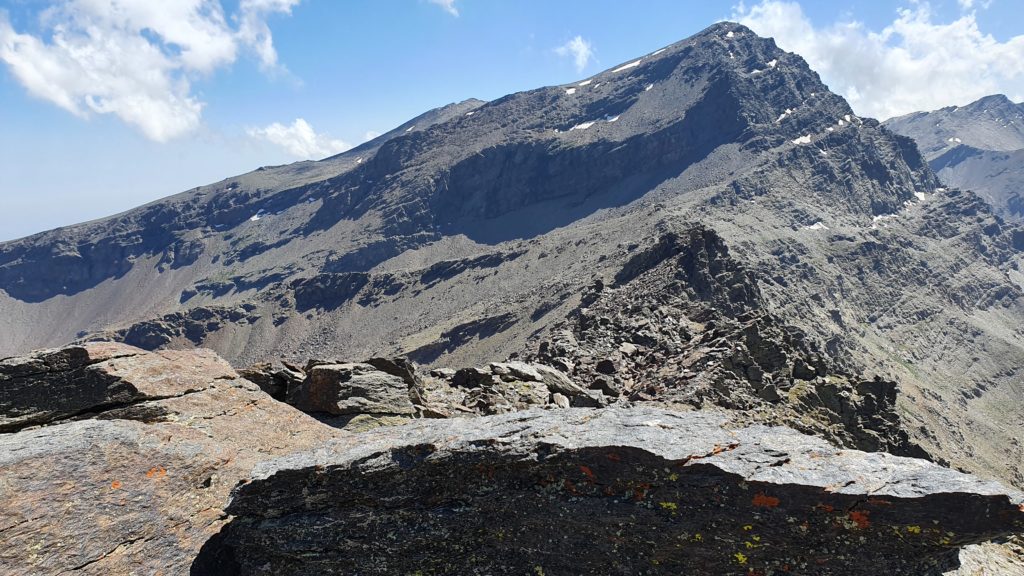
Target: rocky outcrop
[610, 491]
[119, 461]
[192, 326]
[350, 389]
[389, 391]
[684, 323]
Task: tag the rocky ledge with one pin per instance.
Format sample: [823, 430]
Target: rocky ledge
[606, 491]
[118, 461]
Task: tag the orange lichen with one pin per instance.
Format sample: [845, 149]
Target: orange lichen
[762, 501]
[860, 518]
[115, 485]
[588, 473]
[156, 472]
[640, 490]
[613, 457]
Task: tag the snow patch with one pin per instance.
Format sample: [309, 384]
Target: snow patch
[957, 140]
[880, 219]
[611, 119]
[830, 129]
[755, 71]
[658, 52]
[583, 125]
[585, 82]
[409, 129]
[257, 216]
[730, 34]
[841, 123]
[823, 153]
[920, 196]
[627, 66]
[471, 113]
[649, 86]
[773, 63]
[819, 225]
[570, 91]
[805, 139]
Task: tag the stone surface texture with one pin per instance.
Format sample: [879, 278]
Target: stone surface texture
[609, 491]
[132, 481]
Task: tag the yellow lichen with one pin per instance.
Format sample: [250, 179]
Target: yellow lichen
[740, 557]
[671, 506]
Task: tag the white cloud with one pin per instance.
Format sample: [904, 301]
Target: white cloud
[447, 5]
[135, 58]
[253, 30]
[579, 49]
[299, 140]
[912, 64]
[969, 4]
[370, 135]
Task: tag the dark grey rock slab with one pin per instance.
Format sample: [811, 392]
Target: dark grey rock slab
[609, 491]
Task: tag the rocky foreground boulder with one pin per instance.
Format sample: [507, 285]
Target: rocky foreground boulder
[118, 461]
[609, 491]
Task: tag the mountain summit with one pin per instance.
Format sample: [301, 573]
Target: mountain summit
[706, 222]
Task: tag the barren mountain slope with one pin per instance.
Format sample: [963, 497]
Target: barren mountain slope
[979, 147]
[494, 229]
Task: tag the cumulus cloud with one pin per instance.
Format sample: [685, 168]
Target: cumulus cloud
[135, 58]
[447, 5]
[914, 63]
[579, 50]
[299, 139]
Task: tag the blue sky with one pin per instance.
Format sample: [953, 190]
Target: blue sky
[108, 104]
